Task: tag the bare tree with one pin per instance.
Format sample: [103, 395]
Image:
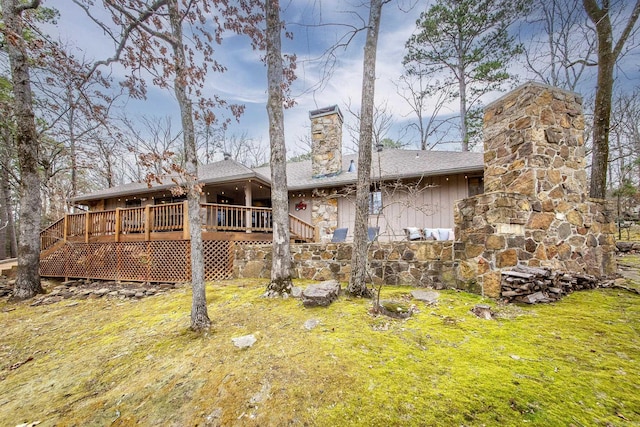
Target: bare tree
[156, 140]
[28, 279]
[608, 53]
[427, 105]
[357, 282]
[562, 47]
[281, 252]
[382, 123]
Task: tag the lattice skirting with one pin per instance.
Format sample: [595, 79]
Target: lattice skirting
[156, 261]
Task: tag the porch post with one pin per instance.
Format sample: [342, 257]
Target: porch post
[118, 228]
[186, 234]
[86, 227]
[65, 227]
[248, 202]
[147, 222]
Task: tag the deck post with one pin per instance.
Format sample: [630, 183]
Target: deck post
[147, 222]
[248, 202]
[86, 227]
[65, 227]
[117, 233]
[186, 234]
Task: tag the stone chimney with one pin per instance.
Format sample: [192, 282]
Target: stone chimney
[326, 141]
[533, 144]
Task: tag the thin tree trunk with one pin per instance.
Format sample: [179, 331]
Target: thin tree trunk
[199, 316]
[607, 56]
[72, 150]
[281, 256]
[28, 278]
[357, 283]
[464, 133]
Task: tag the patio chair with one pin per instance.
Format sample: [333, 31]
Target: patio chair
[339, 235]
[372, 233]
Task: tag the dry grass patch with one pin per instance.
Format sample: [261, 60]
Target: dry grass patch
[123, 362]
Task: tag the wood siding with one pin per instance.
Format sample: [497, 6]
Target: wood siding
[407, 206]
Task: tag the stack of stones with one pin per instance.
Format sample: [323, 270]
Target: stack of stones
[535, 211]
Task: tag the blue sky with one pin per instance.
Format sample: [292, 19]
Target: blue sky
[313, 25]
[312, 22]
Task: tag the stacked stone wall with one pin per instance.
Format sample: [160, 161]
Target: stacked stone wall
[535, 211]
[498, 231]
[422, 264]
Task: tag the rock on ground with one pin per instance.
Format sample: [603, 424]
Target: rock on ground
[245, 341]
[321, 294]
[430, 297]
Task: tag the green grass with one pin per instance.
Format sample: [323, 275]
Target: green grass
[123, 362]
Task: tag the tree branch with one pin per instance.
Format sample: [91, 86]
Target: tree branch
[32, 5]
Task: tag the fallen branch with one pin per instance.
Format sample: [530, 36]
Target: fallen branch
[626, 288]
[17, 365]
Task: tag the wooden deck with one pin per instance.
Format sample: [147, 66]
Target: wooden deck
[169, 222]
[151, 243]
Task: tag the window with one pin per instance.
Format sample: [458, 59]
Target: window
[134, 203]
[476, 185]
[375, 202]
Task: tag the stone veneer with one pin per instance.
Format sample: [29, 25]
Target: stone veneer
[326, 141]
[326, 161]
[413, 263]
[535, 211]
[324, 214]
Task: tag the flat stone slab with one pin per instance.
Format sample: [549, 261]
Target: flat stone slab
[430, 297]
[245, 341]
[321, 294]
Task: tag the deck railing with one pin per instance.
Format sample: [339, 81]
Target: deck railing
[52, 234]
[143, 221]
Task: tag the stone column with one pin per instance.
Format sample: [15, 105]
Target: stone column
[535, 210]
[326, 141]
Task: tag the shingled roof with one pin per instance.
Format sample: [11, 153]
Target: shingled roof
[217, 172]
[386, 165]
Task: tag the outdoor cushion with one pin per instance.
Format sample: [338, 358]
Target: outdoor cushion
[431, 233]
[413, 233]
[443, 234]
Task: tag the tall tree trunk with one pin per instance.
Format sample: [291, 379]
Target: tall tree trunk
[462, 86]
[9, 245]
[357, 282]
[281, 256]
[607, 56]
[199, 317]
[28, 279]
[72, 150]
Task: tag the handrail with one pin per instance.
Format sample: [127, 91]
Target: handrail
[52, 234]
[302, 229]
[166, 217]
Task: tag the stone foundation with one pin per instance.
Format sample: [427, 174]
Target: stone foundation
[422, 264]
